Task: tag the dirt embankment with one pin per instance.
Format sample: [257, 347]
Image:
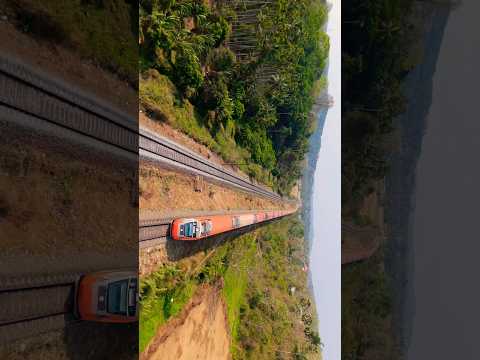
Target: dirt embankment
[363, 236]
[162, 190]
[58, 203]
[199, 332]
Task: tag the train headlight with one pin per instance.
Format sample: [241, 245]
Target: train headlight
[102, 292]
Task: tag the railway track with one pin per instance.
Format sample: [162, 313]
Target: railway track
[153, 232]
[32, 99]
[28, 308]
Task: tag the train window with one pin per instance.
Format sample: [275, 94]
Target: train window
[236, 222]
[190, 229]
[208, 226]
[117, 297]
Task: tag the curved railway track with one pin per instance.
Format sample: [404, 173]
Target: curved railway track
[33, 100]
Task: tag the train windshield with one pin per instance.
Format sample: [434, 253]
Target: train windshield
[117, 297]
[190, 229]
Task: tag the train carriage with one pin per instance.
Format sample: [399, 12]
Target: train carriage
[108, 296]
[191, 229]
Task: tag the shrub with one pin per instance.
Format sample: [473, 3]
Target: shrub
[188, 71]
[221, 59]
[219, 28]
[259, 145]
[215, 96]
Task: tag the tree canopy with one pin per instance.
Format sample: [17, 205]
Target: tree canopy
[250, 69]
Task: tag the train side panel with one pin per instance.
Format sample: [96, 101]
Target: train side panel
[224, 223]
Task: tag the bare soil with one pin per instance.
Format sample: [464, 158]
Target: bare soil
[199, 332]
[163, 190]
[360, 241]
[55, 205]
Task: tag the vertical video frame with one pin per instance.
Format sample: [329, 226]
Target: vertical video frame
[233, 102]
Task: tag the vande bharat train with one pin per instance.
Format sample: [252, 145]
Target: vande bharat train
[108, 296]
[204, 226]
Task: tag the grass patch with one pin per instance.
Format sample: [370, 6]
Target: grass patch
[275, 320]
[236, 282]
[160, 96]
[232, 262]
[163, 295]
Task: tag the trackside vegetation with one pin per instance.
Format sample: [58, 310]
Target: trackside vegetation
[366, 312]
[269, 309]
[90, 27]
[375, 60]
[248, 74]
[163, 294]
[377, 55]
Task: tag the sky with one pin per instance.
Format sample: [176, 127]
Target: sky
[325, 256]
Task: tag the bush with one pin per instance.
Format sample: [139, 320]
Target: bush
[259, 145]
[215, 97]
[188, 70]
[219, 28]
[221, 59]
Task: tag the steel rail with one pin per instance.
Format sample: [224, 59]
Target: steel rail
[151, 232]
[32, 310]
[33, 96]
[156, 146]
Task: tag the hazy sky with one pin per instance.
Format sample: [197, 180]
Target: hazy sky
[325, 255]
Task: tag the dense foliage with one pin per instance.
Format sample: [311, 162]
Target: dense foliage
[261, 103]
[374, 62]
[277, 316]
[376, 57]
[366, 313]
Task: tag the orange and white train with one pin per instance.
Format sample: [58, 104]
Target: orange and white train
[112, 295]
[108, 296]
[201, 227]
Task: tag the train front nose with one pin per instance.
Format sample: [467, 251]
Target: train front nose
[86, 302]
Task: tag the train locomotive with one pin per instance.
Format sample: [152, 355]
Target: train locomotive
[191, 229]
[108, 296]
